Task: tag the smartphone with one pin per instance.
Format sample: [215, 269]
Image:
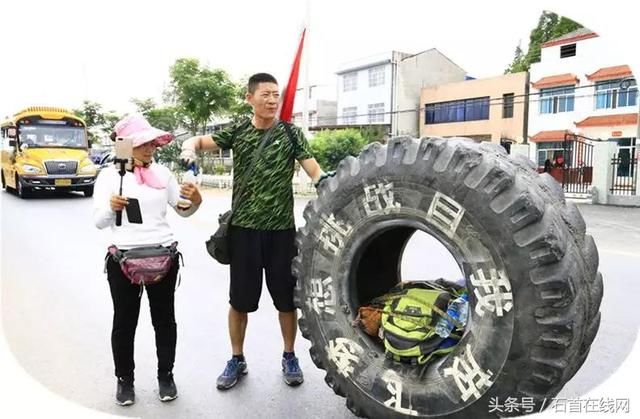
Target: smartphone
[133, 211]
[124, 151]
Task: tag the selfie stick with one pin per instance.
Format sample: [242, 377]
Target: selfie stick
[122, 171]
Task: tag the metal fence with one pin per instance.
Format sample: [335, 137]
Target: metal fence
[625, 175]
[577, 173]
[226, 182]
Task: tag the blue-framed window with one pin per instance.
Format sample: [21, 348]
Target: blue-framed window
[457, 111]
[557, 99]
[609, 95]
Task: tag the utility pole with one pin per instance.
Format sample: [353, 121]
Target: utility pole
[625, 84]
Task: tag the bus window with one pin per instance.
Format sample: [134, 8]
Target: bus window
[48, 136]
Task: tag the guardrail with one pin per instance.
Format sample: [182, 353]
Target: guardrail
[226, 182]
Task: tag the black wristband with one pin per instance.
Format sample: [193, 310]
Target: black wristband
[323, 177]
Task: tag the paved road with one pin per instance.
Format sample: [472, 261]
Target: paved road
[55, 296]
[56, 314]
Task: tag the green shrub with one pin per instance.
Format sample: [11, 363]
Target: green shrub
[331, 146]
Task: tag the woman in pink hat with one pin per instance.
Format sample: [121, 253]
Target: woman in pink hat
[155, 188]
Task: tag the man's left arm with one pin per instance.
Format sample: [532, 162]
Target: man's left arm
[312, 169]
[315, 172]
[305, 158]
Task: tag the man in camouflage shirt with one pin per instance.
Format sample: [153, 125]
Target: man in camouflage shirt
[262, 232]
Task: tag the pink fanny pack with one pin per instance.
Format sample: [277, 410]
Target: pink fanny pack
[146, 265]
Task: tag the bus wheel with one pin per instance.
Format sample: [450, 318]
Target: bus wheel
[4, 184]
[22, 192]
[88, 193]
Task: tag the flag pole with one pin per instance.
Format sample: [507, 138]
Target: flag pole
[285, 111]
[305, 102]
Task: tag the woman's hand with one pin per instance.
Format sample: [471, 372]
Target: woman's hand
[118, 202]
[190, 191]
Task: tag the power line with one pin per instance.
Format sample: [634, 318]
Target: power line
[496, 102]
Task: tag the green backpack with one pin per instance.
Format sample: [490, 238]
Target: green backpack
[409, 317]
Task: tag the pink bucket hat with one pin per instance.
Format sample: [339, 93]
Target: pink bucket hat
[140, 131]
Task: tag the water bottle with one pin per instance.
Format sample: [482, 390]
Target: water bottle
[458, 310]
[188, 177]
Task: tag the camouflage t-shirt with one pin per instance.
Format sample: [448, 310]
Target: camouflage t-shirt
[267, 202]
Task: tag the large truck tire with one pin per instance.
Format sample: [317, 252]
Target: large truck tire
[532, 272]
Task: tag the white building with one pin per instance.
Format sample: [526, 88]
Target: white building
[385, 89]
[581, 87]
[321, 106]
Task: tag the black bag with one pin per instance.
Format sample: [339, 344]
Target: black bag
[218, 243]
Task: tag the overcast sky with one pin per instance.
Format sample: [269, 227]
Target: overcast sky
[55, 53]
[61, 52]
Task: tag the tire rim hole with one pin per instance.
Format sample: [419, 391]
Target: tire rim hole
[400, 253]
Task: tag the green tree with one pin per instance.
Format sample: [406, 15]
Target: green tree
[91, 112]
[373, 133]
[331, 146]
[164, 118]
[240, 108]
[144, 105]
[110, 120]
[98, 122]
[169, 153]
[519, 63]
[199, 92]
[550, 26]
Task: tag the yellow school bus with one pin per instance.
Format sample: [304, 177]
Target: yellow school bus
[45, 148]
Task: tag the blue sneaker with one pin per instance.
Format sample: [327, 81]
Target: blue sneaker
[291, 371]
[232, 373]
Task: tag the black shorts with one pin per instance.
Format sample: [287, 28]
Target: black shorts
[255, 250]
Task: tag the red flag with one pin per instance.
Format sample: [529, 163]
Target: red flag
[289, 92]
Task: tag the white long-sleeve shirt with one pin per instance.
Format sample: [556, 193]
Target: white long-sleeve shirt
[154, 229]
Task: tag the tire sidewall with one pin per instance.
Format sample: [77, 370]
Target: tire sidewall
[498, 345]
